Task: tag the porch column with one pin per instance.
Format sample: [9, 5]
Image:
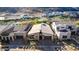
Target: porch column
[9, 37]
[14, 35]
[24, 36]
[2, 37]
[5, 38]
[52, 37]
[38, 36]
[12, 38]
[42, 37]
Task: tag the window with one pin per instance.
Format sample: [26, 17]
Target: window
[64, 36]
[70, 27]
[10, 38]
[19, 37]
[64, 30]
[58, 28]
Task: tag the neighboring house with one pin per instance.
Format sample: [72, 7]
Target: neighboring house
[40, 32]
[5, 32]
[61, 31]
[12, 17]
[21, 29]
[2, 18]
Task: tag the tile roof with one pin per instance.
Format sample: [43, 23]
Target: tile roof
[44, 28]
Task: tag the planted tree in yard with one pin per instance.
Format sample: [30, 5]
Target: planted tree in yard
[32, 44]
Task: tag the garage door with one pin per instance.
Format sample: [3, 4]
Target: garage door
[19, 37]
[47, 37]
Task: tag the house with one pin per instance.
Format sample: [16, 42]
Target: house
[14, 31]
[40, 32]
[21, 29]
[61, 31]
[5, 33]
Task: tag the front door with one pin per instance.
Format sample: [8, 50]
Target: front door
[40, 37]
[19, 37]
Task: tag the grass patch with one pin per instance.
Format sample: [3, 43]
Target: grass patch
[38, 21]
